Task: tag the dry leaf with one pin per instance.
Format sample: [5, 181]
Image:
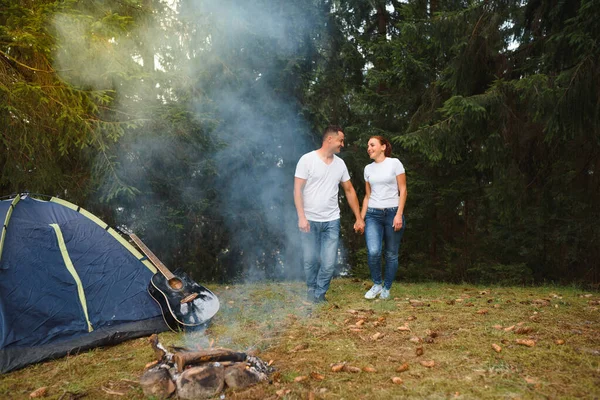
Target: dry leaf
[316, 376]
[451, 302]
[300, 378]
[510, 328]
[349, 368]
[381, 319]
[496, 348]
[283, 392]
[496, 305]
[397, 380]
[369, 369]
[469, 305]
[523, 330]
[497, 327]
[411, 318]
[403, 329]
[377, 336]
[311, 396]
[360, 322]
[483, 311]
[337, 367]
[41, 392]
[402, 368]
[419, 351]
[355, 329]
[459, 300]
[594, 302]
[150, 364]
[432, 334]
[302, 346]
[526, 342]
[417, 303]
[353, 311]
[541, 302]
[559, 341]
[428, 364]
[415, 339]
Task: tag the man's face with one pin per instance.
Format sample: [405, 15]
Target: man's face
[336, 142]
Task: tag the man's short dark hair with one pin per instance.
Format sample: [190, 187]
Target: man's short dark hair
[331, 130]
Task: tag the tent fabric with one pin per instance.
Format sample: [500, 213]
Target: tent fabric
[68, 282]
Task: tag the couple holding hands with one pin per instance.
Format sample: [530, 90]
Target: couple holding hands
[316, 186]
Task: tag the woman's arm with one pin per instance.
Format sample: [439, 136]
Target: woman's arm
[403, 194]
[365, 204]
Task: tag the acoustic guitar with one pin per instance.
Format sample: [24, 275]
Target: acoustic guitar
[184, 303]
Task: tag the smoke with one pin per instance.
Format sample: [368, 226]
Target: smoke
[231, 157]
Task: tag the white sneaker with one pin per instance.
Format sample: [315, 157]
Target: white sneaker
[373, 292]
[385, 294]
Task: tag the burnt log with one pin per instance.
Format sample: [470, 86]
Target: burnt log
[240, 376]
[201, 382]
[157, 382]
[203, 356]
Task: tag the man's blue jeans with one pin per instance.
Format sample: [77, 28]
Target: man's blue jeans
[379, 230]
[320, 248]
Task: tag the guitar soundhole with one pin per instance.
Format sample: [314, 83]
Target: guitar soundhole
[175, 284]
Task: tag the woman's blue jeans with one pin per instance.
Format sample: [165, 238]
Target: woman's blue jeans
[320, 248]
[379, 231]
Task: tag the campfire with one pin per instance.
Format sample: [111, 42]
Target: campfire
[199, 373]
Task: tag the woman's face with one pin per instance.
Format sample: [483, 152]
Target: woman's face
[375, 149]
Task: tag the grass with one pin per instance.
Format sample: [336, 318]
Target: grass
[304, 341]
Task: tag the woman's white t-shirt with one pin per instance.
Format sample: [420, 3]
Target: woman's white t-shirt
[384, 186]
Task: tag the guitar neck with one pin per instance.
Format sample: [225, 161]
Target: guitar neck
[159, 265]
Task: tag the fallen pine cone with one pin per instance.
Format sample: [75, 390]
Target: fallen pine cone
[419, 351]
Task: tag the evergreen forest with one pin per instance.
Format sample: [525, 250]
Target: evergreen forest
[184, 121]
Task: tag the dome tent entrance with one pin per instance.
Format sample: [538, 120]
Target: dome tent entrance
[68, 282]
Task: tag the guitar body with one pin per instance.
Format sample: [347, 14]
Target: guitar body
[184, 303]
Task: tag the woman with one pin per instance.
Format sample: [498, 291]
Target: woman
[382, 211]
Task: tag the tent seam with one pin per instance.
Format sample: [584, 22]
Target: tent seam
[65, 254]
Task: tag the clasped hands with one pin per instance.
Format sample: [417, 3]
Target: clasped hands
[359, 226]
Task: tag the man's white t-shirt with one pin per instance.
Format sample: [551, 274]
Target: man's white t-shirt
[384, 186]
[320, 196]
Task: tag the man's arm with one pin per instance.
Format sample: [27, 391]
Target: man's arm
[359, 225]
[298, 188]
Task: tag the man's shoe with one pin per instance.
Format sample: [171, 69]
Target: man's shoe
[373, 292]
[320, 299]
[385, 294]
[310, 295]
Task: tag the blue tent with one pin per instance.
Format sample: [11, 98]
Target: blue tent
[68, 282]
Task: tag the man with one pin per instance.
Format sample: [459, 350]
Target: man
[316, 186]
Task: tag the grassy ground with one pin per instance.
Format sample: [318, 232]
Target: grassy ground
[454, 326]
